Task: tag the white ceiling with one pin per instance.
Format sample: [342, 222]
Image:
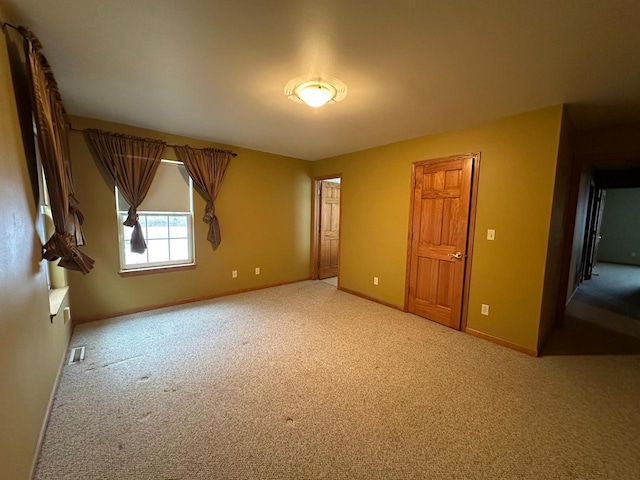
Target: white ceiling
[215, 69]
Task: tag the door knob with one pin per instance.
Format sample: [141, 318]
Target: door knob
[455, 255]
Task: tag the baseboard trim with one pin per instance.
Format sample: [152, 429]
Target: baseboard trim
[147, 308]
[372, 299]
[47, 414]
[502, 342]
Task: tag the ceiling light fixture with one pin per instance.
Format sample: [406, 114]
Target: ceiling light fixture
[315, 93]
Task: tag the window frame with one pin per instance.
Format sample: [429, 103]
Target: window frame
[156, 266]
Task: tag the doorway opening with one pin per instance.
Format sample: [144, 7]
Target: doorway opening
[441, 229]
[325, 261]
[609, 295]
[602, 309]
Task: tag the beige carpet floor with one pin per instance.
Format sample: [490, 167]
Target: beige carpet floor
[331, 281]
[307, 382]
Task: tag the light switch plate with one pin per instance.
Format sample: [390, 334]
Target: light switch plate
[491, 234]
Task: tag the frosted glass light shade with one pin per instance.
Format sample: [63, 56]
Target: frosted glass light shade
[315, 94]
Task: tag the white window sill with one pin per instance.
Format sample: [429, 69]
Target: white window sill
[150, 270]
[56, 298]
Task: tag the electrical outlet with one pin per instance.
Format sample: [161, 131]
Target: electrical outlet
[234, 274]
[67, 314]
[375, 280]
[485, 309]
[257, 270]
[491, 234]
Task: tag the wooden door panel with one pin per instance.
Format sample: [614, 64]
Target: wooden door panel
[427, 270]
[440, 219]
[452, 179]
[435, 281]
[433, 181]
[445, 284]
[333, 254]
[433, 312]
[431, 222]
[450, 224]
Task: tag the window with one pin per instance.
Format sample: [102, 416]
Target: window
[56, 276]
[166, 220]
[45, 226]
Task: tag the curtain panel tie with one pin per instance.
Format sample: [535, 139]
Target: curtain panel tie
[132, 218]
[213, 235]
[209, 213]
[62, 246]
[138, 243]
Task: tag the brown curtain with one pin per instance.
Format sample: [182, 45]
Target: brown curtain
[53, 142]
[131, 162]
[206, 167]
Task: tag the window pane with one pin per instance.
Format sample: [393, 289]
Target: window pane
[131, 258]
[157, 226]
[178, 227]
[179, 249]
[158, 250]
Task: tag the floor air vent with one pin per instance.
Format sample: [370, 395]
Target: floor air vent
[77, 355]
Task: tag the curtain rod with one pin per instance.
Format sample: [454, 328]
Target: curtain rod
[5, 24]
[79, 130]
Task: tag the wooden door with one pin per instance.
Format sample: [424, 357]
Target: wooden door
[584, 258]
[329, 229]
[594, 232]
[603, 196]
[439, 227]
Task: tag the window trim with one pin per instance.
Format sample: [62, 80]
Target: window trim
[150, 265]
[156, 267]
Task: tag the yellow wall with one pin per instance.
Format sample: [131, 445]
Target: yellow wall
[517, 176]
[31, 347]
[263, 208]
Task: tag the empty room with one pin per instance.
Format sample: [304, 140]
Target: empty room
[336, 239]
